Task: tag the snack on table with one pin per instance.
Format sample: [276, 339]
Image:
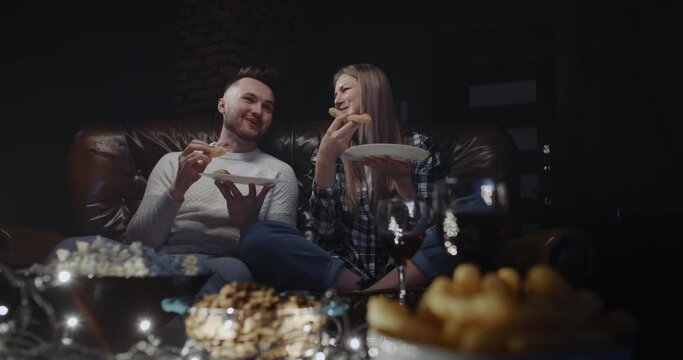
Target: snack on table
[217, 150]
[243, 319]
[360, 119]
[501, 312]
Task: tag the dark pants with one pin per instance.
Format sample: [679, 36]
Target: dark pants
[279, 255]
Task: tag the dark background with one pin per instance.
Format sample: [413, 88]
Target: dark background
[65, 65]
[609, 103]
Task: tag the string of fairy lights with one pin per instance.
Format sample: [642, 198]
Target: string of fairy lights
[32, 328]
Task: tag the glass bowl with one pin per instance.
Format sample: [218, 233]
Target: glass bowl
[261, 324]
[114, 313]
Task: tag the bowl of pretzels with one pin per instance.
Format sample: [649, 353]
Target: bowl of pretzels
[248, 320]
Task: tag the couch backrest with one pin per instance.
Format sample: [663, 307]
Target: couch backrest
[108, 165]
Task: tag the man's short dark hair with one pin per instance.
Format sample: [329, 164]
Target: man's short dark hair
[265, 75]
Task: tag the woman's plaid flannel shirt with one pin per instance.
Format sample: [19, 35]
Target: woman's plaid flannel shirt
[352, 237]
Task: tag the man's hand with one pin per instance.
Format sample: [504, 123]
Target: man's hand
[191, 162]
[413, 277]
[243, 210]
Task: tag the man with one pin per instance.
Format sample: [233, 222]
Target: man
[183, 212]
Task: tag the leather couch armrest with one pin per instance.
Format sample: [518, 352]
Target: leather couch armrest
[566, 249]
[22, 246]
[104, 186]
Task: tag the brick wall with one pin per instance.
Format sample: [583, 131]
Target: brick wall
[216, 37]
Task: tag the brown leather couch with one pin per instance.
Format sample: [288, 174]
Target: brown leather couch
[108, 165]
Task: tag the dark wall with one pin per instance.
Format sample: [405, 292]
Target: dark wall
[627, 145]
[399, 42]
[64, 65]
[216, 38]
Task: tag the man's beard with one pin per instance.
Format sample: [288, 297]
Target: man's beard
[231, 122]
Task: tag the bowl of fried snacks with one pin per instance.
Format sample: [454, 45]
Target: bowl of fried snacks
[499, 315]
[248, 320]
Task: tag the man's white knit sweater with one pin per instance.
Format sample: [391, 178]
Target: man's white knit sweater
[198, 224]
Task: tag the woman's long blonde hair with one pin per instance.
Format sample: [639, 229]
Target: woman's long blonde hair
[377, 101]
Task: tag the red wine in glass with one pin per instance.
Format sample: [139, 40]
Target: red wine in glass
[402, 248]
[401, 224]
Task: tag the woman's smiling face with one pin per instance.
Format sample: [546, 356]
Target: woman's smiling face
[347, 94]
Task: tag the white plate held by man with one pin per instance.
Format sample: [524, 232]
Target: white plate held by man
[238, 179]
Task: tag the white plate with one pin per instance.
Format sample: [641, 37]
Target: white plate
[397, 151]
[238, 179]
[385, 347]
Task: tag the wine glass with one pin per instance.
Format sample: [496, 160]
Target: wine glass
[471, 217]
[402, 225]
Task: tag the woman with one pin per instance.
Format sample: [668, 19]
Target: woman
[343, 199]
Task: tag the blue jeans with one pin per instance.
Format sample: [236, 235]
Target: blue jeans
[225, 269]
[279, 255]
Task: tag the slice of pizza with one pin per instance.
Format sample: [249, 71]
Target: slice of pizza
[360, 119]
[217, 149]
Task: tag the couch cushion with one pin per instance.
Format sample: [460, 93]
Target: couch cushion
[108, 165]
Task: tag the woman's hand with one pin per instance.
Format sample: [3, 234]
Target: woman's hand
[332, 145]
[336, 139]
[191, 162]
[397, 170]
[394, 168]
